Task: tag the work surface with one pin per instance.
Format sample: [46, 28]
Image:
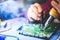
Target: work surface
[12, 26]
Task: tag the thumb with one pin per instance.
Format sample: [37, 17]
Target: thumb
[56, 6]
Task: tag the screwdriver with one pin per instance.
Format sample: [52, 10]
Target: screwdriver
[53, 14]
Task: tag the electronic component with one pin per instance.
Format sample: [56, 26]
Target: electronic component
[34, 30]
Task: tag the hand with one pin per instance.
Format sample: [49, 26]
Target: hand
[34, 12]
[56, 5]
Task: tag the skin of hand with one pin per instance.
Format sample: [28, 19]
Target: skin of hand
[56, 5]
[34, 12]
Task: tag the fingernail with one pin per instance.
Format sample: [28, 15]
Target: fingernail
[40, 11]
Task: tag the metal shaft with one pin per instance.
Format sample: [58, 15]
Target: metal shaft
[48, 22]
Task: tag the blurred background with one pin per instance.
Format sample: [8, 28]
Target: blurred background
[13, 8]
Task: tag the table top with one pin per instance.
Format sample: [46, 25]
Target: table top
[16, 23]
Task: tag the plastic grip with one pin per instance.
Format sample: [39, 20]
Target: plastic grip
[54, 13]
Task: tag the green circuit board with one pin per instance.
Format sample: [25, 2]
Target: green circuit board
[36, 30]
